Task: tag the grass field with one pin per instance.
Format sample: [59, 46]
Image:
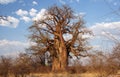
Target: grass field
[71, 75]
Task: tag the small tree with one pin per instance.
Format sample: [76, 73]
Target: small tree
[115, 55]
[21, 66]
[49, 33]
[5, 65]
[116, 52]
[102, 64]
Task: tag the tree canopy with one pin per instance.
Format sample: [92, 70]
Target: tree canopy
[60, 32]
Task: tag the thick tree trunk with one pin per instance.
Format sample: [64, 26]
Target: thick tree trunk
[60, 60]
[56, 65]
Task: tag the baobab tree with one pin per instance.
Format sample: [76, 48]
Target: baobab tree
[60, 33]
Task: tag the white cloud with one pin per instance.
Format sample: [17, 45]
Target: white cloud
[9, 22]
[111, 36]
[106, 31]
[41, 15]
[32, 12]
[98, 28]
[24, 14]
[8, 47]
[88, 36]
[6, 1]
[34, 3]
[21, 12]
[81, 14]
[15, 43]
[96, 46]
[67, 37]
[25, 18]
[106, 34]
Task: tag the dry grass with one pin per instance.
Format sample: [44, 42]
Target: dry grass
[55, 75]
[65, 75]
[72, 75]
[87, 74]
[118, 72]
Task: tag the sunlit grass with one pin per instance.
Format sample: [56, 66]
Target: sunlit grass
[65, 75]
[87, 74]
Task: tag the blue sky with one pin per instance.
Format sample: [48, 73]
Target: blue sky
[101, 16]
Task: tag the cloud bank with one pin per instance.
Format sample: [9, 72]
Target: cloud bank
[12, 48]
[31, 15]
[106, 34]
[99, 28]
